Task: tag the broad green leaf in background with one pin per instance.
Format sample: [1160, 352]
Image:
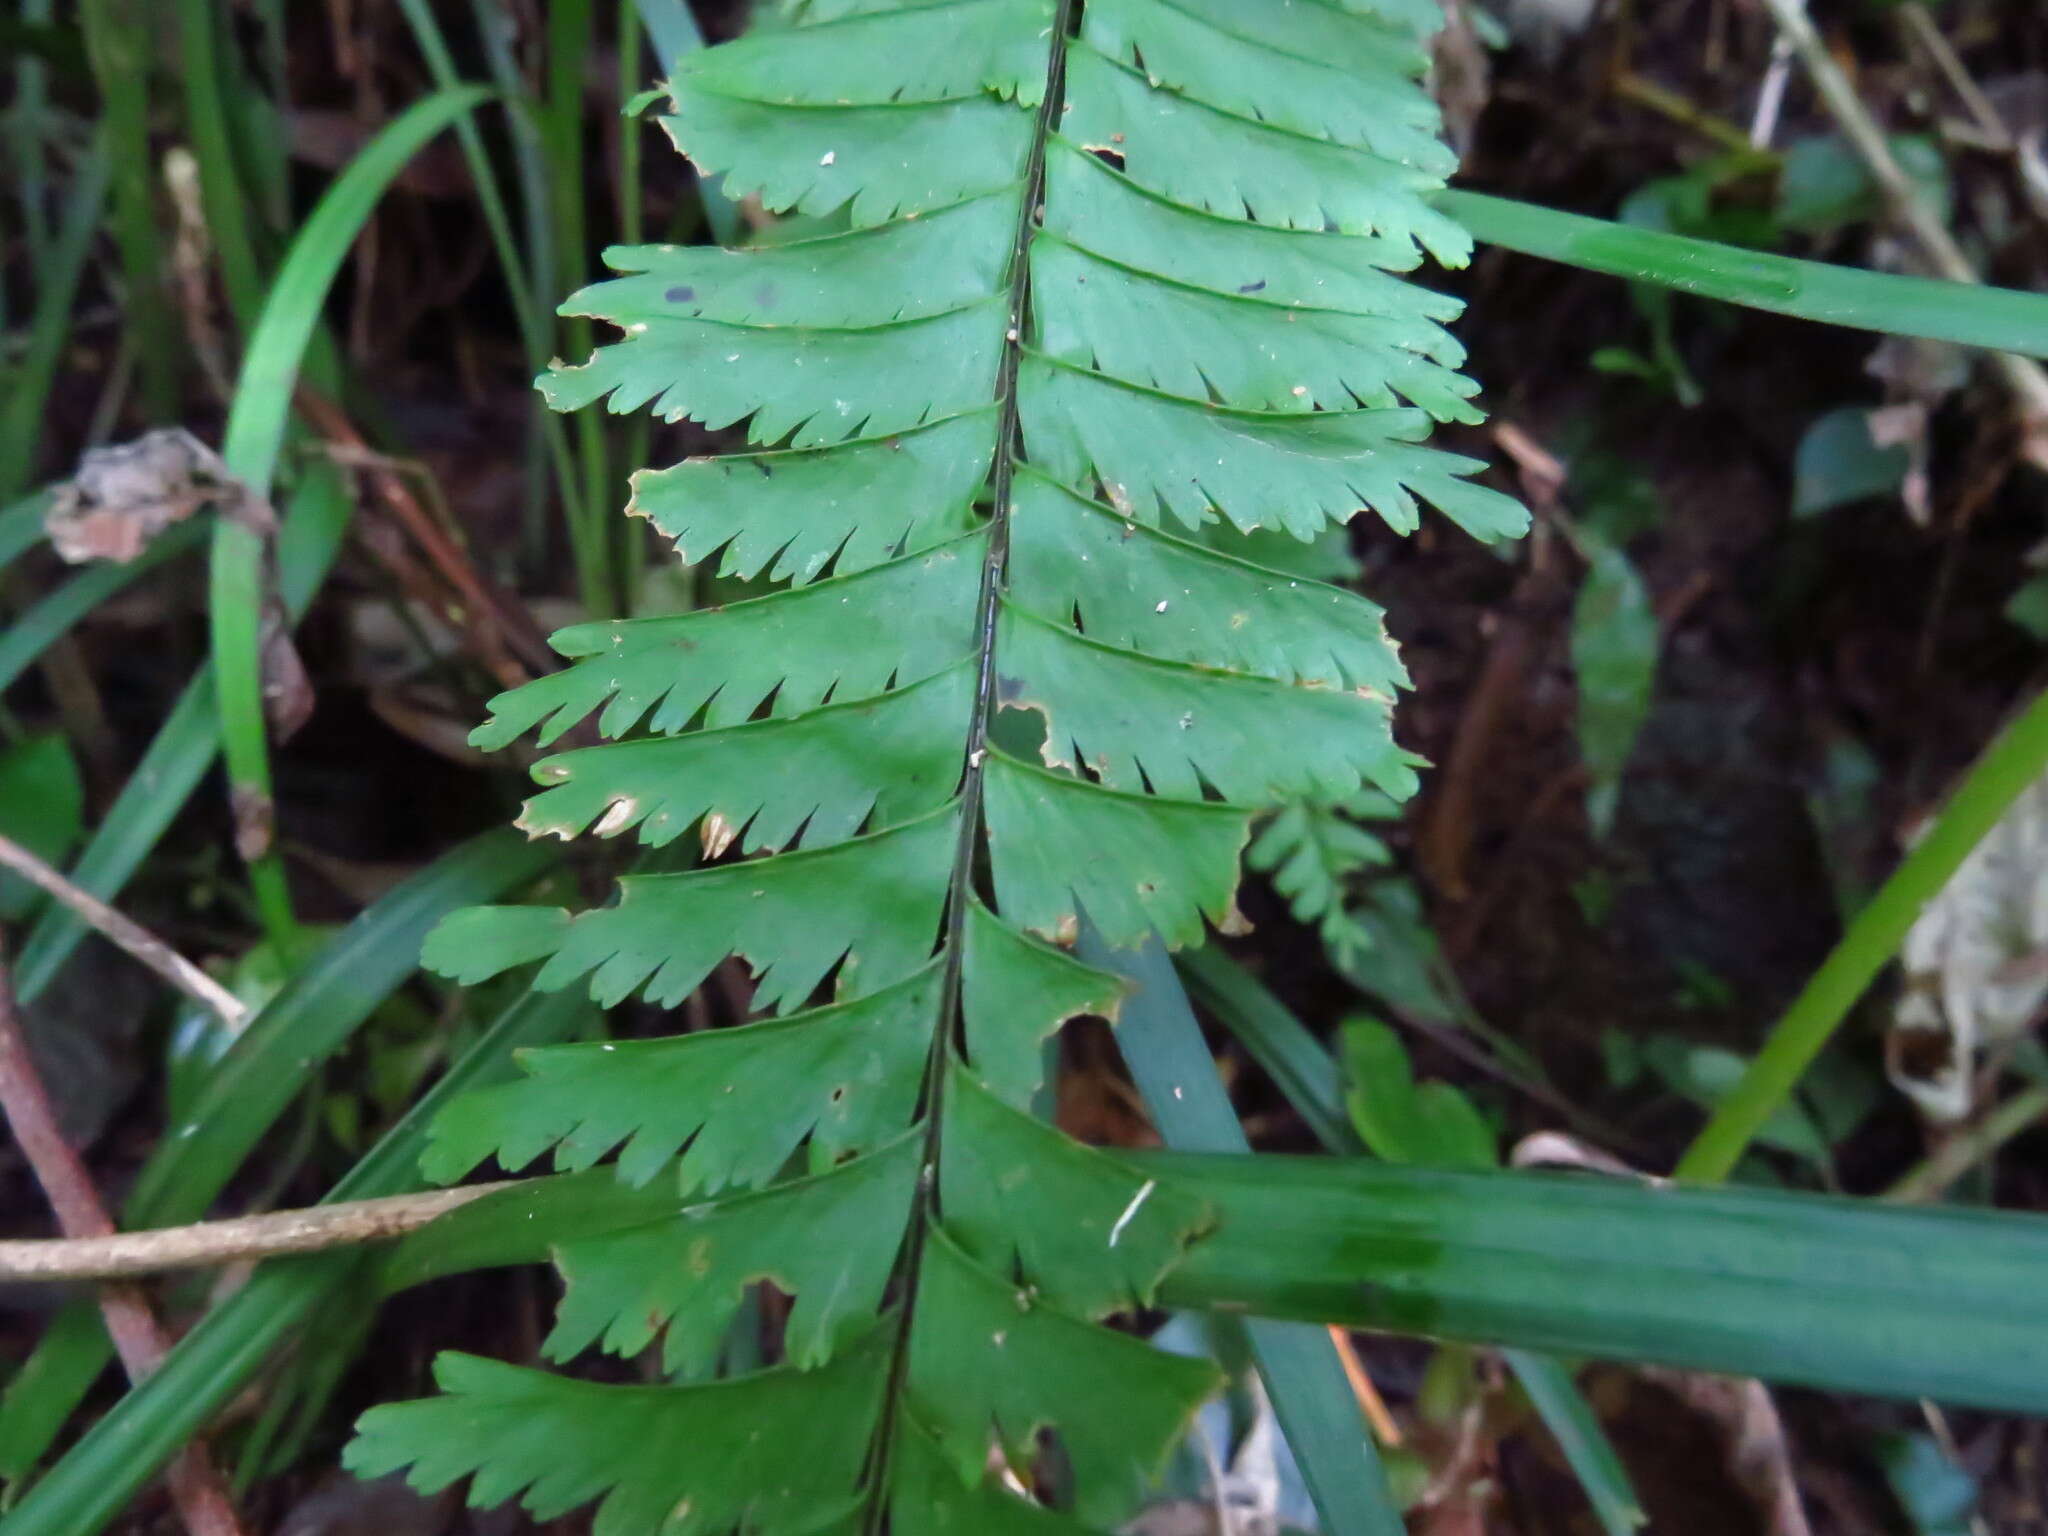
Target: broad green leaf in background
[1839, 462]
[1824, 182]
[42, 807]
[1614, 661]
[1431, 1125]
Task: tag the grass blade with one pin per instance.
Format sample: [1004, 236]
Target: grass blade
[1312, 1398]
[255, 1081]
[207, 121]
[1812, 1290]
[1296, 1060]
[29, 383]
[2002, 319]
[1587, 1450]
[185, 743]
[532, 288]
[2009, 765]
[315, 1015]
[255, 434]
[21, 527]
[116, 43]
[120, 1453]
[1307, 1076]
[50, 619]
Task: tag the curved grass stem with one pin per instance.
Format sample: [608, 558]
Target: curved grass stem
[2012, 762]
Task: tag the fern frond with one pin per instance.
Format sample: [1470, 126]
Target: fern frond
[815, 777]
[1102, 291]
[642, 1451]
[1142, 589]
[681, 1279]
[844, 638]
[740, 1099]
[791, 514]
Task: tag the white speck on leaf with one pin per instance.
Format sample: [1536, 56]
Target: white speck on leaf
[1144, 1193]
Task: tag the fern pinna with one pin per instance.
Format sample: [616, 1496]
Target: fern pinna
[1115, 279]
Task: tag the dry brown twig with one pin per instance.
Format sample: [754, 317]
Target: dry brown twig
[210, 1244]
[130, 936]
[2021, 377]
[196, 1484]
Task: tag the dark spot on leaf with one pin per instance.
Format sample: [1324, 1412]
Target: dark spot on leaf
[682, 293]
[1258, 287]
[766, 295]
[766, 472]
[1008, 689]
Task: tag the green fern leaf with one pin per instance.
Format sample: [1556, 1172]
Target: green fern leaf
[827, 1241]
[1103, 291]
[1143, 590]
[1014, 993]
[829, 639]
[642, 1451]
[814, 778]
[740, 1099]
[790, 515]
[1134, 721]
[1084, 1232]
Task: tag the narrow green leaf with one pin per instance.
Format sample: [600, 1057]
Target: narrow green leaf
[1810, 1290]
[117, 39]
[184, 745]
[2002, 319]
[255, 1082]
[2013, 761]
[1285, 1051]
[52, 617]
[237, 600]
[58, 279]
[674, 32]
[1308, 1077]
[1587, 1450]
[21, 526]
[1311, 1395]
